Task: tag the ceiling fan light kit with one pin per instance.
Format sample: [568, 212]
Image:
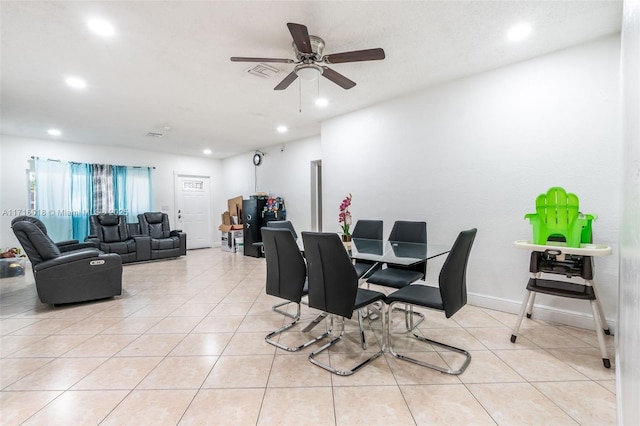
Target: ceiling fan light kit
[309, 51]
[308, 71]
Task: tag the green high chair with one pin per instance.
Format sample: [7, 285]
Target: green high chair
[557, 214]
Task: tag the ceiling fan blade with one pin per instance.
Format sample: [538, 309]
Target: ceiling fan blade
[243, 59]
[300, 37]
[337, 78]
[287, 81]
[355, 56]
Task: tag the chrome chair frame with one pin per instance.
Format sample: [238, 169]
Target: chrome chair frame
[449, 296]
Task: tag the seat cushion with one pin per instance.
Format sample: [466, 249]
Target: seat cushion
[366, 297]
[165, 243]
[419, 295]
[122, 247]
[395, 278]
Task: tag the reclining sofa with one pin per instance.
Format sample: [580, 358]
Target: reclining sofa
[66, 277]
[149, 239]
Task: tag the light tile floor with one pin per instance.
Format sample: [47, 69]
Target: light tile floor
[185, 345]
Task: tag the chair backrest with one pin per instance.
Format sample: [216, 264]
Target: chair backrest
[109, 228]
[38, 246]
[410, 232]
[453, 275]
[283, 224]
[155, 224]
[31, 219]
[333, 282]
[286, 270]
[369, 229]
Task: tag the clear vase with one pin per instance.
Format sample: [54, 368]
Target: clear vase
[346, 240]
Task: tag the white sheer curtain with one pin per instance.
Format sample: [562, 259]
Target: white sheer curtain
[53, 197]
[138, 192]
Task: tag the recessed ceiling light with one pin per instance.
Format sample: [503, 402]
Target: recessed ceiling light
[519, 32]
[282, 129]
[76, 83]
[101, 27]
[322, 102]
[207, 151]
[54, 132]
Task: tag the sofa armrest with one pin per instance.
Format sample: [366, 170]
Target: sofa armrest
[78, 246]
[183, 240]
[66, 243]
[143, 247]
[68, 257]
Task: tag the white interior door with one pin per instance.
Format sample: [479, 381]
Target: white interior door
[193, 209]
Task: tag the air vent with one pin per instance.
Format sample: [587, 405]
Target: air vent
[263, 70]
[154, 135]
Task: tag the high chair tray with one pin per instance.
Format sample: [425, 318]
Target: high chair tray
[583, 250]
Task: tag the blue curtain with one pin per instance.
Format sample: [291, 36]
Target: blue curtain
[81, 199]
[53, 198]
[68, 193]
[120, 189]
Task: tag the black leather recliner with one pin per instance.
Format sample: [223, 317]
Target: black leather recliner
[63, 246]
[75, 276]
[111, 234]
[164, 241]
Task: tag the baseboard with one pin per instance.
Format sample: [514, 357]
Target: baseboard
[545, 313]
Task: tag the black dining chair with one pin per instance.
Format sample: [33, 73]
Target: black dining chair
[369, 230]
[283, 224]
[333, 288]
[286, 278]
[399, 276]
[449, 296]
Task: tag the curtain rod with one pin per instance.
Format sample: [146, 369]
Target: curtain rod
[75, 162]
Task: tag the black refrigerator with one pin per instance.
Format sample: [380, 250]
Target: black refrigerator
[253, 220]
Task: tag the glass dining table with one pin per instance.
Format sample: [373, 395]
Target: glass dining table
[390, 252]
[386, 252]
[395, 252]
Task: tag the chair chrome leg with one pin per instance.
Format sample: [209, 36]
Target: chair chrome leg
[281, 312]
[361, 323]
[410, 324]
[296, 318]
[447, 370]
[317, 320]
[332, 342]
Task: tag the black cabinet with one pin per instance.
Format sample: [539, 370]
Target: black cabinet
[254, 218]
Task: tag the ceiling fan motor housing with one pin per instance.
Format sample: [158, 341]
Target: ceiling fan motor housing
[317, 48]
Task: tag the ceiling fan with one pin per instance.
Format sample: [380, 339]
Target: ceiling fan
[309, 55]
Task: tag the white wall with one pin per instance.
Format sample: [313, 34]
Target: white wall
[628, 337]
[477, 152]
[285, 172]
[15, 153]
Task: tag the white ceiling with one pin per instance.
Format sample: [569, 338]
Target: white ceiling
[168, 64]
